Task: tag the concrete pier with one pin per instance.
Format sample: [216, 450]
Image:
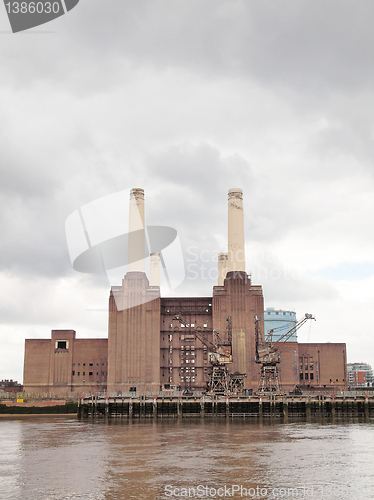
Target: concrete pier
[178, 406]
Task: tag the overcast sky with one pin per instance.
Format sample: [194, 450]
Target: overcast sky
[187, 99]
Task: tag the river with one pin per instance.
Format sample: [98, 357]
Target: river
[62, 458]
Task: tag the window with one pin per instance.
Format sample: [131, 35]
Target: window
[311, 376]
[170, 337]
[182, 379]
[306, 376]
[91, 364]
[170, 325]
[90, 374]
[97, 374]
[170, 360]
[73, 373]
[205, 325]
[61, 344]
[171, 369]
[311, 367]
[301, 376]
[79, 374]
[170, 379]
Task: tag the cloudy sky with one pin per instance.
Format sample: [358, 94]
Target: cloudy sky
[187, 99]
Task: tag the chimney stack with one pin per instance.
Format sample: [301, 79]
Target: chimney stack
[154, 274]
[222, 267]
[236, 250]
[136, 241]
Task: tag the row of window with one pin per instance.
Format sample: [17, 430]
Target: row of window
[183, 349]
[187, 378]
[183, 369]
[183, 360]
[306, 367]
[192, 325]
[277, 313]
[90, 374]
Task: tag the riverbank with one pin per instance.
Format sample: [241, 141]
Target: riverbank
[38, 408]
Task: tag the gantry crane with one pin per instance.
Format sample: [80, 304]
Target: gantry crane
[268, 357]
[221, 381]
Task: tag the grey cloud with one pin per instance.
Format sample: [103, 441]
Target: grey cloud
[310, 46]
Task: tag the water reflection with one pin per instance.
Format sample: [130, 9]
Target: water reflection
[53, 458]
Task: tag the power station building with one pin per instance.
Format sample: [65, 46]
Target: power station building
[157, 343]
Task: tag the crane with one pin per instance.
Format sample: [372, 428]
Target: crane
[221, 381]
[268, 357]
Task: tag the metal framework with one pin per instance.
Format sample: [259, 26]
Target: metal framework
[221, 381]
[268, 356]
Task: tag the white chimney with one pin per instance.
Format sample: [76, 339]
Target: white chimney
[136, 242]
[236, 250]
[154, 274]
[222, 267]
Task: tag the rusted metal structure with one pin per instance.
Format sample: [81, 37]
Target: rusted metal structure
[221, 380]
[269, 357]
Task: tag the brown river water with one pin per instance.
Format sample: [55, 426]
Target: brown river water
[61, 458]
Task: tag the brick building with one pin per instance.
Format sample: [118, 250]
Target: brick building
[150, 347]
